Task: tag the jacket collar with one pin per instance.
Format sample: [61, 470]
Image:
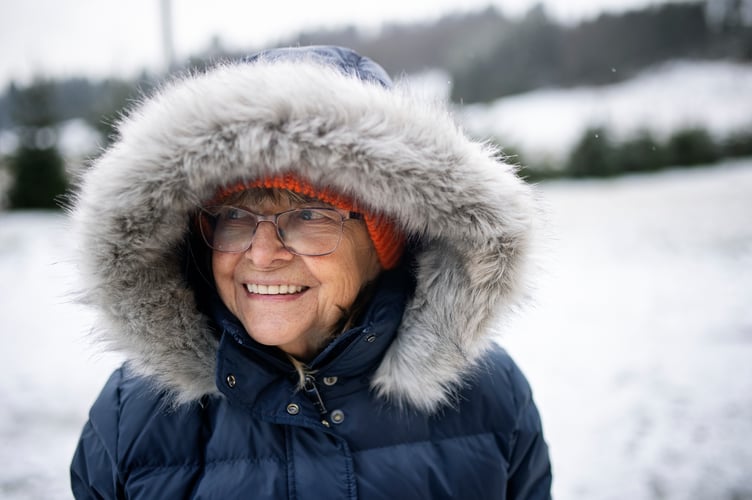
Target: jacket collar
[263, 379]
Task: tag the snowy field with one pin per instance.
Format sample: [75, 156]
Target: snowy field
[638, 346]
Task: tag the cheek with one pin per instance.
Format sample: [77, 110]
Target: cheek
[357, 265]
[219, 268]
[223, 266]
[366, 259]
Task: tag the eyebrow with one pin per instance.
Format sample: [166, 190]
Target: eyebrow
[303, 205]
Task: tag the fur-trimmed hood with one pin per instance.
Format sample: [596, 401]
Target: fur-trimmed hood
[336, 122]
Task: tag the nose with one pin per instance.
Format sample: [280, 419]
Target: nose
[266, 247]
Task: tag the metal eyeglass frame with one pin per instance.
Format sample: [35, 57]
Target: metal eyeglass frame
[207, 213]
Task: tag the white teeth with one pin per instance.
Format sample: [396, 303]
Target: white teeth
[273, 289]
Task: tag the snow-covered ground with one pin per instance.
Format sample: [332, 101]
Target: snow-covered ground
[638, 347]
[49, 373]
[640, 342]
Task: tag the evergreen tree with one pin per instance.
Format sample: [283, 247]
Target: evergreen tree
[642, 153]
[38, 172]
[37, 167]
[593, 156]
[692, 146]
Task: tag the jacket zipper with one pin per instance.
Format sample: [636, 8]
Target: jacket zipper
[312, 391]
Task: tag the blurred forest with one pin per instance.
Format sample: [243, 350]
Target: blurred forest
[486, 55]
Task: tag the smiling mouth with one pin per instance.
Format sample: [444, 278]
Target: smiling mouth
[273, 289]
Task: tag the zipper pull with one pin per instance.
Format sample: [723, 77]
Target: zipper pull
[313, 394]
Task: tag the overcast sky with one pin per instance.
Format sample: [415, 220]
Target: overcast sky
[121, 37]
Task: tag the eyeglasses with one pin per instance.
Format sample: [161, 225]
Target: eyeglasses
[310, 232]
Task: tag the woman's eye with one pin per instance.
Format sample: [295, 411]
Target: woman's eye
[310, 215]
[233, 214]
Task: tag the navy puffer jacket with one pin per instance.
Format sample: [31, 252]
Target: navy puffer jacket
[416, 401]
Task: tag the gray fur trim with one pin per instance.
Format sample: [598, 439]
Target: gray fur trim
[395, 152]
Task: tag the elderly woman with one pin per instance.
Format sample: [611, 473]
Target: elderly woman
[303, 265]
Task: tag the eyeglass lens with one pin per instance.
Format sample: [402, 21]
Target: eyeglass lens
[303, 231]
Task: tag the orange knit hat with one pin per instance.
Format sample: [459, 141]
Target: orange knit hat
[387, 239]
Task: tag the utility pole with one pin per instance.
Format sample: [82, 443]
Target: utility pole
[168, 48]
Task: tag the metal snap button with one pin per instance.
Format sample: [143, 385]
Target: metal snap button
[293, 409]
[371, 338]
[338, 416]
[330, 380]
[231, 380]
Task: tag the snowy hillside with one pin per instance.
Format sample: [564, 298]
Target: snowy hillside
[638, 346]
[546, 123]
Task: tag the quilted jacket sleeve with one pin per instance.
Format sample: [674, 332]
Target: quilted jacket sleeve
[94, 472]
[530, 467]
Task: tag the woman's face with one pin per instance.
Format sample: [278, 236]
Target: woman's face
[292, 301]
